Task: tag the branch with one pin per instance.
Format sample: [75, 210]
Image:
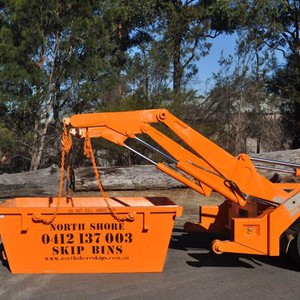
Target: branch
[286, 37]
[24, 144]
[212, 36]
[188, 2]
[54, 56]
[279, 49]
[193, 54]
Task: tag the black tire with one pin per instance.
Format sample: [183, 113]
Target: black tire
[294, 250]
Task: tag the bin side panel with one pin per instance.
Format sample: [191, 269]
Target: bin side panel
[88, 243]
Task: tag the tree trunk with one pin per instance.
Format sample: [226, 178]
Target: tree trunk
[296, 140]
[40, 135]
[177, 72]
[41, 140]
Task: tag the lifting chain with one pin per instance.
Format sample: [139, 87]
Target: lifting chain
[89, 153]
[66, 148]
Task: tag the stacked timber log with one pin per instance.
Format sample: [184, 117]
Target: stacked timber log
[147, 177]
[137, 177]
[292, 156]
[44, 182]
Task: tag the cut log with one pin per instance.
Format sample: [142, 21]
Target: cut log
[292, 156]
[148, 177]
[137, 177]
[43, 182]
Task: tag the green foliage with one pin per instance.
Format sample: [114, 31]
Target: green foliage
[8, 146]
[58, 58]
[183, 29]
[7, 140]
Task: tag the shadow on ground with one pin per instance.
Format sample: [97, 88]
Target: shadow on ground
[2, 258]
[198, 247]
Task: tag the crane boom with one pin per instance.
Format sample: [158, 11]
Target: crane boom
[257, 212]
[208, 166]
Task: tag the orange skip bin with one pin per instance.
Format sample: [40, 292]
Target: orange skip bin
[84, 236]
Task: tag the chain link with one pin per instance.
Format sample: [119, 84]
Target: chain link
[66, 148]
[89, 153]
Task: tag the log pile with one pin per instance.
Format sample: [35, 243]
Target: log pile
[292, 156]
[138, 177]
[44, 182]
[147, 177]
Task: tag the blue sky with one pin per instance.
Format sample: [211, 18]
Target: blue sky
[209, 64]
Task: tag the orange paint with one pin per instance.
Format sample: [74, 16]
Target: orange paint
[84, 237]
[256, 211]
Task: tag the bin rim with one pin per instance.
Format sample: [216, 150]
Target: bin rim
[169, 207]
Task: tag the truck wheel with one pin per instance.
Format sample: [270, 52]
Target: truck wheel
[294, 250]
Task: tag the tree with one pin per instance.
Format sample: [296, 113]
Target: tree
[55, 56]
[185, 29]
[239, 109]
[275, 26]
[38, 45]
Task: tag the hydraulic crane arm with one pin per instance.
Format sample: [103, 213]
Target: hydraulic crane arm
[199, 164]
[270, 211]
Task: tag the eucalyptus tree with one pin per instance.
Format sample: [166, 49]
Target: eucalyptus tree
[273, 26]
[186, 29]
[55, 56]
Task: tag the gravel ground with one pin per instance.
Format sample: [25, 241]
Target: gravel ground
[185, 197]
